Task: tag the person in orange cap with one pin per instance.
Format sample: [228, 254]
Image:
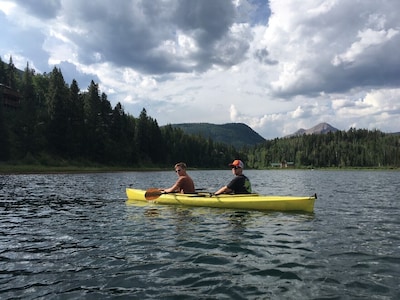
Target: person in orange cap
[240, 184]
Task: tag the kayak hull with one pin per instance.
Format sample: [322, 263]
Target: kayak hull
[242, 201]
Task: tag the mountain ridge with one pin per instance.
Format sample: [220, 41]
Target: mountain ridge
[235, 134]
[321, 128]
[240, 134]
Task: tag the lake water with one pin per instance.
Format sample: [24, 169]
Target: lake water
[70, 236]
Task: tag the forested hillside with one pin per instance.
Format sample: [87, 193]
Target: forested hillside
[55, 123]
[235, 134]
[44, 120]
[352, 148]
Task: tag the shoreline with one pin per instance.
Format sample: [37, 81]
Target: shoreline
[9, 169]
[40, 169]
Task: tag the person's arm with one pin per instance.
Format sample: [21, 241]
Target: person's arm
[223, 190]
[174, 188]
[229, 188]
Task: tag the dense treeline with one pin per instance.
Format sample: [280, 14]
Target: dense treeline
[354, 148]
[56, 123]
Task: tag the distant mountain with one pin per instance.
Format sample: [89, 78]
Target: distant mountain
[235, 134]
[394, 133]
[321, 128]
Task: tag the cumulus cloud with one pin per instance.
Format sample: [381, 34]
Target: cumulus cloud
[274, 65]
[156, 37]
[46, 9]
[367, 38]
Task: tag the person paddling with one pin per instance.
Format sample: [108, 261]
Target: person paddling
[240, 184]
[184, 183]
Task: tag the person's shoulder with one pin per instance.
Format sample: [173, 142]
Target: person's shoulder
[237, 178]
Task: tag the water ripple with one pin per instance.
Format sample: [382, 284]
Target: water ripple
[69, 236]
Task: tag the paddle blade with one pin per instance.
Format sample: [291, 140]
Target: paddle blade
[152, 194]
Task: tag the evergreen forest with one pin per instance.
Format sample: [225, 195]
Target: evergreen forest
[58, 123]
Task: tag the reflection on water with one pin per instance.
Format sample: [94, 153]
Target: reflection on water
[76, 236]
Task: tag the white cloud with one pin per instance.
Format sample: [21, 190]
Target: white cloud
[367, 38]
[7, 7]
[384, 100]
[222, 61]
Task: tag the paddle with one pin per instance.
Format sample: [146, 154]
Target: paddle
[152, 194]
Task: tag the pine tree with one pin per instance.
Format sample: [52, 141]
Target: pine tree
[11, 75]
[28, 114]
[2, 72]
[92, 115]
[4, 137]
[57, 97]
[77, 120]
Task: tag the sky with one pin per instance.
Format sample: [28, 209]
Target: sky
[277, 65]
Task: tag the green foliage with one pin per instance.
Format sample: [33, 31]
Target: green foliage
[4, 139]
[3, 75]
[354, 148]
[11, 75]
[195, 148]
[57, 123]
[238, 135]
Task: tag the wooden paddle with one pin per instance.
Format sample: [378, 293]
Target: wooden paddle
[152, 194]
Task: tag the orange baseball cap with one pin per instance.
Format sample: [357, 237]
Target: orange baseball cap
[237, 163]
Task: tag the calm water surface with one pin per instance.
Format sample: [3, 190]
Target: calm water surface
[74, 236]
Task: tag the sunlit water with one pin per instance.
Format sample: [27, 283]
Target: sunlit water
[66, 236]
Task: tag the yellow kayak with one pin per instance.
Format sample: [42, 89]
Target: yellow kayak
[239, 201]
